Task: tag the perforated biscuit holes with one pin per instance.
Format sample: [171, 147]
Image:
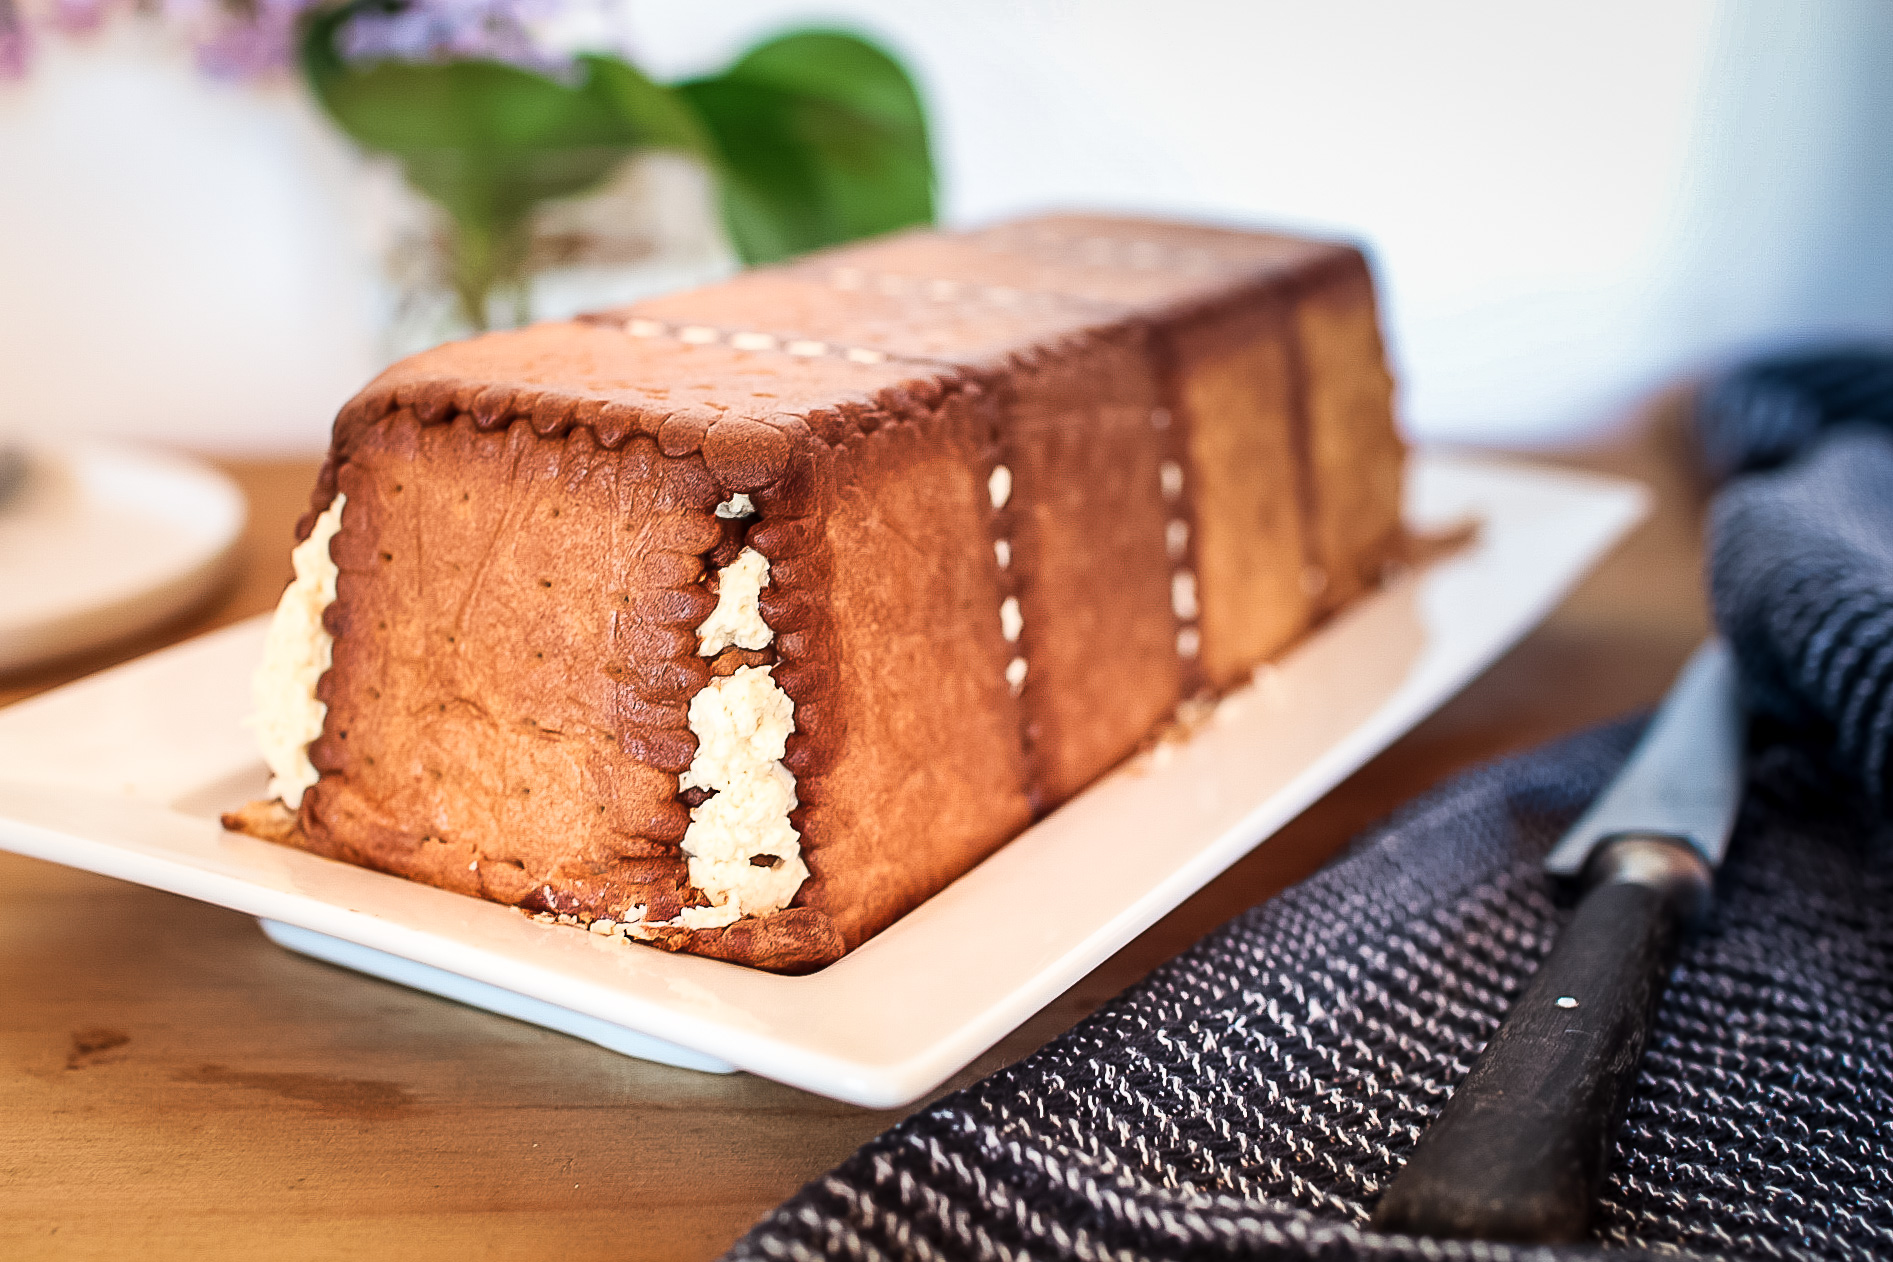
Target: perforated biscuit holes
[1092, 250]
[1011, 617]
[960, 293]
[749, 340]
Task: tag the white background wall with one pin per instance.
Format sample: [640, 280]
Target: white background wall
[1568, 204]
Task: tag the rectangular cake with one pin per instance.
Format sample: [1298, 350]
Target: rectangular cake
[743, 620]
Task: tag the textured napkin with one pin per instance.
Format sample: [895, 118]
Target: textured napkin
[1801, 552]
[1252, 1097]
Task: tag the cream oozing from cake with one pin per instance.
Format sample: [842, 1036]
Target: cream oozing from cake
[743, 853]
[1011, 616]
[736, 622]
[296, 652]
[1176, 544]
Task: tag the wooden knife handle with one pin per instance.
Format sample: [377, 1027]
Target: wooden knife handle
[1520, 1150]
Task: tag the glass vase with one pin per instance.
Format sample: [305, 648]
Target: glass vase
[650, 228]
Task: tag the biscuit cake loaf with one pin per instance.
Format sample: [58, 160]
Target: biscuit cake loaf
[742, 620]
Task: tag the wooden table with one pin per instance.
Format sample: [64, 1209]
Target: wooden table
[173, 1085]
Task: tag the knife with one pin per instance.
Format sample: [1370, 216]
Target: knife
[1521, 1148]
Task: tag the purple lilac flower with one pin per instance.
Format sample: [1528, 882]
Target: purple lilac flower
[541, 35]
[16, 43]
[248, 39]
[77, 17]
[240, 41]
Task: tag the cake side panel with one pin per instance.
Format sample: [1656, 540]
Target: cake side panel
[1232, 379]
[1357, 458]
[1085, 519]
[1090, 579]
[513, 658]
[929, 776]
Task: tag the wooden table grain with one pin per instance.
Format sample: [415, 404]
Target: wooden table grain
[176, 1086]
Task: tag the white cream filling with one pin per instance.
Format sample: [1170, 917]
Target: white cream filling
[999, 486]
[1183, 595]
[737, 619]
[742, 723]
[296, 652]
[1011, 621]
[1176, 538]
[1170, 479]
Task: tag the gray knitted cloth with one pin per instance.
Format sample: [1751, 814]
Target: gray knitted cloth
[1252, 1098]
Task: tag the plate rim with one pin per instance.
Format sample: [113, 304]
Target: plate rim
[217, 521]
[1617, 505]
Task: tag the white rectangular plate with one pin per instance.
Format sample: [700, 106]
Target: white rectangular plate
[124, 774]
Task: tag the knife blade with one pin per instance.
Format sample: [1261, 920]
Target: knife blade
[1520, 1150]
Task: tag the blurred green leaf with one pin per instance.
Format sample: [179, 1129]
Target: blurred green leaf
[658, 115]
[816, 138]
[820, 138]
[489, 142]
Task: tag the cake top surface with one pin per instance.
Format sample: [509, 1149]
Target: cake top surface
[601, 359]
[1108, 264]
[739, 407]
[980, 300]
[972, 327]
[831, 344]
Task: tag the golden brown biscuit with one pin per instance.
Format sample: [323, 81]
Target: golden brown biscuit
[1015, 495]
